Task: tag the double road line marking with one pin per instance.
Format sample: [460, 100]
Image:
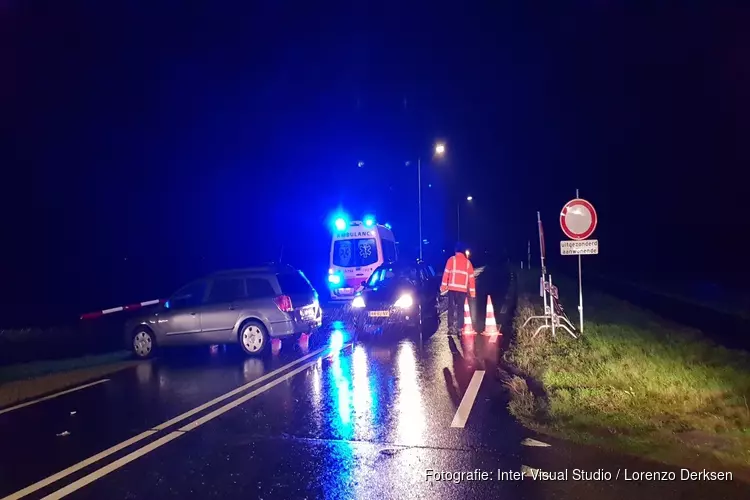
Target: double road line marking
[103, 471]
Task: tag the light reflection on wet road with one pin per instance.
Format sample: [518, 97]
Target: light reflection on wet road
[331, 416]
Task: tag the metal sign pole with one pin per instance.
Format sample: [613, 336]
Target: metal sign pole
[580, 297]
[419, 202]
[547, 308]
[541, 241]
[458, 221]
[552, 307]
[544, 269]
[580, 291]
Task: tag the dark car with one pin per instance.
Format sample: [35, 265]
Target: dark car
[403, 293]
[244, 306]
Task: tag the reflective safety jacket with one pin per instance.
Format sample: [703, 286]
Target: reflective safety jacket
[459, 275]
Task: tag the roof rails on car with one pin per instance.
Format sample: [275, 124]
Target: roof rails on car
[268, 267]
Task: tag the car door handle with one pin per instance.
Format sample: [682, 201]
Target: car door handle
[193, 314]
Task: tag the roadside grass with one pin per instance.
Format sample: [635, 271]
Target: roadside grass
[32, 369]
[632, 382]
[30, 334]
[737, 304]
[39, 384]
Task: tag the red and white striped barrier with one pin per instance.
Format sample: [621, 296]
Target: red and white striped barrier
[97, 314]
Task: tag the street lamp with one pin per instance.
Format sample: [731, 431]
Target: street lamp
[458, 217]
[439, 151]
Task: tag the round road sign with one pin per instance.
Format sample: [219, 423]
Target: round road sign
[578, 219]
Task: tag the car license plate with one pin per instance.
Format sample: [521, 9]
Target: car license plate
[379, 314]
[346, 291]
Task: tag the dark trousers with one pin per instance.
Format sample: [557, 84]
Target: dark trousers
[456, 311]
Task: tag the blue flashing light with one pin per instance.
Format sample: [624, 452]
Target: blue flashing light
[340, 224]
[334, 279]
[369, 221]
[387, 225]
[167, 305]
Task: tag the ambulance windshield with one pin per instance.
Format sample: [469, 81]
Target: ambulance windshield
[355, 253]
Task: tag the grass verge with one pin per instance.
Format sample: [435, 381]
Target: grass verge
[27, 381]
[23, 371]
[632, 382]
[734, 304]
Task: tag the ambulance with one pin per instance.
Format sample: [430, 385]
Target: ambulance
[357, 249]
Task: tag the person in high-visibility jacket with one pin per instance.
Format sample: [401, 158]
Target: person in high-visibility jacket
[458, 281]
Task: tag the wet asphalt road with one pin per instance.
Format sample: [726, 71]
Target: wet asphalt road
[328, 417]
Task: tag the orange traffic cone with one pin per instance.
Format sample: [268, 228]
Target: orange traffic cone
[490, 325]
[468, 327]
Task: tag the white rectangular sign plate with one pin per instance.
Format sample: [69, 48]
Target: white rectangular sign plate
[579, 247]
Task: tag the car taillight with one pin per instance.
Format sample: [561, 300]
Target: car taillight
[284, 303]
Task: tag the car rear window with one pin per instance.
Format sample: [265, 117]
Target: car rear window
[226, 290]
[294, 284]
[259, 288]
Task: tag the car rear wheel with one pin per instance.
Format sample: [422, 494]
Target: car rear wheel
[253, 338]
[143, 344]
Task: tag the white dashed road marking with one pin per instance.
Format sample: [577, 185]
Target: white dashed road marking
[467, 402]
[529, 471]
[534, 442]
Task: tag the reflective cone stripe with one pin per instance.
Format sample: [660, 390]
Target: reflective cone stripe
[468, 327]
[490, 325]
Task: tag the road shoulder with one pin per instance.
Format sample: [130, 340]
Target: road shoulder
[18, 391]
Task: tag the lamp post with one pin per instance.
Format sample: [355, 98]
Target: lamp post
[439, 151]
[458, 217]
[419, 202]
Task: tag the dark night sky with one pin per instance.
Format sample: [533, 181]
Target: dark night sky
[187, 139]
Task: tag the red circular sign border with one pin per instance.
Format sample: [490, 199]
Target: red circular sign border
[594, 219]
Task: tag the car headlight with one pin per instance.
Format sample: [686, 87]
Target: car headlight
[405, 301]
[358, 302]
